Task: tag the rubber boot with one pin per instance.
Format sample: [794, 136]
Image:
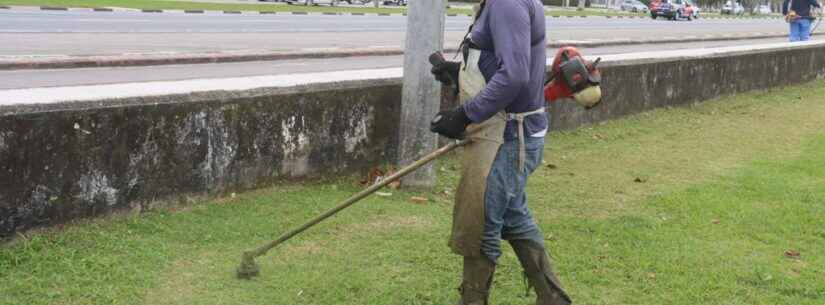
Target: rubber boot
[539, 273]
[476, 281]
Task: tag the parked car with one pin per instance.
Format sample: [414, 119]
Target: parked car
[695, 11]
[733, 8]
[633, 6]
[762, 10]
[652, 6]
[684, 9]
[671, 9]
[312, 2]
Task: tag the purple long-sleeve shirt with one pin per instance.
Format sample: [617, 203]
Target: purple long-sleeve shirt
[511, 36]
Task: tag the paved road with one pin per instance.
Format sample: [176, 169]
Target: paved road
[44, 33]
[17, 79]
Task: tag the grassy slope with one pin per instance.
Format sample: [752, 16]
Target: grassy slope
[728, 186]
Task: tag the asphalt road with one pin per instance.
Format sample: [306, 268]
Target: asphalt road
[47, 33]
[17, 79]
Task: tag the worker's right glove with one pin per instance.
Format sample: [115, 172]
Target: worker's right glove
[446, 72]
[450, 123]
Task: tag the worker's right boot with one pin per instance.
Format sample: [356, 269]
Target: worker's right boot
[477, 278]
[539, 273]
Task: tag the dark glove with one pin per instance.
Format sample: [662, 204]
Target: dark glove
[446, 72]
[450, 123]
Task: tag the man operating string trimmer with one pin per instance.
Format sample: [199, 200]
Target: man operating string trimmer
[500, 81]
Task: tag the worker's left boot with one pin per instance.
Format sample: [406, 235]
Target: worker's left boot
[539, 273]
[476, 280]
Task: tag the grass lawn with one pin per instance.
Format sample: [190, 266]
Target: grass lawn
[252, 6]
[707, 204]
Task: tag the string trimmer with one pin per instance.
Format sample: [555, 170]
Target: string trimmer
[249, 268]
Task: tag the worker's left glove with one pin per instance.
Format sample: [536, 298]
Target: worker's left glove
[450, 123]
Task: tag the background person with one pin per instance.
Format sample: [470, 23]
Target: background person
[798, 14]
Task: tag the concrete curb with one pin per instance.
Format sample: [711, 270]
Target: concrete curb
[53, 8]
[69, 62]
[176, 59]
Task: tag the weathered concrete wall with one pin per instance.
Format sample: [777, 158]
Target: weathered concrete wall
[56, 166]
[635, 83]
[79, 158]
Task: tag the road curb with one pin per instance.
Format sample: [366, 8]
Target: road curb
[177, 59]
[69, 62]
[53, 8]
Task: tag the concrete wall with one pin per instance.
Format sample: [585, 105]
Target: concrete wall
[79, 162]
[633, 83]
[67, 153]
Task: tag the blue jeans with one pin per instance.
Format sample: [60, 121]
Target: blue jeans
[800, 30]
[506, 214]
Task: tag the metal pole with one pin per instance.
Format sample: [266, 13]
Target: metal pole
[421, 93]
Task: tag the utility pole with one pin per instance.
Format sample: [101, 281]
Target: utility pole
[421, 93]
[375, 2]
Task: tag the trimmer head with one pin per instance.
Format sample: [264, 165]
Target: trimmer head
[248, 268]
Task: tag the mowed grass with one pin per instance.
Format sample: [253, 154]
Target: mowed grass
[708, 204]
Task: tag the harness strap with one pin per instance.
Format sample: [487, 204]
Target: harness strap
[519, 118]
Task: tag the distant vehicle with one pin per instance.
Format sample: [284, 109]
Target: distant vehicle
[633, 6]
[395, 2]
[653, 6]
[762, 10]
[312, 2]
[384, 2]
[695, 11]
[684, 9]
[733, 8]
[671, 9]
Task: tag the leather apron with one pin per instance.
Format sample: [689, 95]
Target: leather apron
[476, 162]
